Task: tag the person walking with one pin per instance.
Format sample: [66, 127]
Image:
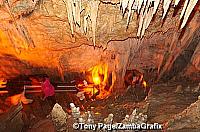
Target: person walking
[49, 91]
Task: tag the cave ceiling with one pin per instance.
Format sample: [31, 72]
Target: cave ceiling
[42, 31]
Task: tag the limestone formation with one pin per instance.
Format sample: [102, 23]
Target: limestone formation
[196, 89]
[187, 89]
[179, 89]
[126, 120]
[47, 28]
[59, 117]
[109, 119]
[137, 117]
[90, 118]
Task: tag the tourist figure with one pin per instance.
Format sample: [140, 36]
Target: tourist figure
[49, 91]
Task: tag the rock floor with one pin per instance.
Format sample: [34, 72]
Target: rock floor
[163, 102]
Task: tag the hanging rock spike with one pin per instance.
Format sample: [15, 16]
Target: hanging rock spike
[188, 11]
[184, 8]
[166, 4]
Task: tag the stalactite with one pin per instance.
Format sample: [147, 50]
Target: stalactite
[73, 5]
[93, 16]
[143, 8]
[147, 12]
[184, 8]
[145, 17]
[73, 11]
[176, 2]
[129, 11]
[77, 12]
[149, 17]
[145, 2]
[70, 14]
[148, 3]
[141, 19]
[144, 23]
[188, 11]
[85, 24]
[166, 4]
[156, 4]
[147, 20]
[134, 5]
[87, 10]
[139, 5]
[124, 4]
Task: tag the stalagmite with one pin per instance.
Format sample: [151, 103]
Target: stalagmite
[188, 11]
[126, 120]
[93, 16]
[156, 4]
[59, 117]
[184, 8]
[166, 4]
[196, 89]
[109, 119]
[179, 89]
[90, 119]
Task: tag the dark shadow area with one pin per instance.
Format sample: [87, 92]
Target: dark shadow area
[184, 58]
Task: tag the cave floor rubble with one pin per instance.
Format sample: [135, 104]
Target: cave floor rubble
[163, 104]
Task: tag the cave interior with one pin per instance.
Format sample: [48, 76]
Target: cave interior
[107, 61]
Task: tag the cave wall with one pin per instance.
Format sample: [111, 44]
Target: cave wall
[51, 48]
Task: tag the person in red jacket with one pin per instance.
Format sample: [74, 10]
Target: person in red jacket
[49, 91]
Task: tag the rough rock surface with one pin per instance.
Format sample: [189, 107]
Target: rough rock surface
[43, 126]
[188, 119]
[59, 117]
[48, 46]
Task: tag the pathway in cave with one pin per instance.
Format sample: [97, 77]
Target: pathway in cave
[164, 103]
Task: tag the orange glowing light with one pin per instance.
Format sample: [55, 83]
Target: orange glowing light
[14, 100]
[99, 75]
[145, 84]
[3, 83]
[96, 80]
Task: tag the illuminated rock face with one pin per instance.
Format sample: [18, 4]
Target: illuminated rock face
[47, 46]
